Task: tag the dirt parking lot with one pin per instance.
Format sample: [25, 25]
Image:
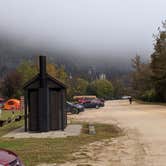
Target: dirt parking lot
[144, 142]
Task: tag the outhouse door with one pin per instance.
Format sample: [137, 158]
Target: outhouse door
[33, 110]
[55, 104]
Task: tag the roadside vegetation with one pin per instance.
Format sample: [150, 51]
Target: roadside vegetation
[11, 124]
[34, 151]
[149, 79]
[11, 86]
[10, 127]
[9, 114]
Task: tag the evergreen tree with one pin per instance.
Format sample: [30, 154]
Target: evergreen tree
[142, 86]
[158, 64]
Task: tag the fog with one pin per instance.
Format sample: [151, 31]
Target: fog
[88, 27]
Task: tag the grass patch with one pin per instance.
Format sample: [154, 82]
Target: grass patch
[10, 127]
[34, 151]
[9, 114]
[13, 125]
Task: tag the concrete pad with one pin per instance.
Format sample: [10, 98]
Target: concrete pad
[71, 130]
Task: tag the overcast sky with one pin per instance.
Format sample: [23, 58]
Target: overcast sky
[120, 27]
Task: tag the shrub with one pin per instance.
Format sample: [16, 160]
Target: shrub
[149, 95]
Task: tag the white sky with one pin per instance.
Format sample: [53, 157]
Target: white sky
[120, 27]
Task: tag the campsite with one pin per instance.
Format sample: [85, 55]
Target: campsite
[82, 83]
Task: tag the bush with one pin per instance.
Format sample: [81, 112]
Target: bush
[101, 88]
[149, 95]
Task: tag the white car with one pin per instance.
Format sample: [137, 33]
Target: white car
[126, 97]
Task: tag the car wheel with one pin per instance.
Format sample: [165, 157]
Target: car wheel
[97, 106]
[76, 111]
[73, 111]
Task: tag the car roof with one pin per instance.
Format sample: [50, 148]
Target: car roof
[6, 156]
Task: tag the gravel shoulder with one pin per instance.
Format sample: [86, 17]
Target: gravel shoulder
[143, 144]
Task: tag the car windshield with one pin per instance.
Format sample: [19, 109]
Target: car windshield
[69, 103]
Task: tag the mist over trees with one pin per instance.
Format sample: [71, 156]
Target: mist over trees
[83, 75]
[61, 65]
[12, 54]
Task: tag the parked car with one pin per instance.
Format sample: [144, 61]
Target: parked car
[8, 158]
[126, 97]
[82, 101]
[74, 108]
[92, 104]
[12, 104]
[82, 98]
[99, 101]
[102, 99]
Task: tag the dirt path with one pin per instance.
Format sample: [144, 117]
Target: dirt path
[144, 143]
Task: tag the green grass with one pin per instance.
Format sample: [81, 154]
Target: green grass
[9, 127]
[34, 151]
[9, 114]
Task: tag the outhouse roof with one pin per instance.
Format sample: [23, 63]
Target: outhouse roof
[37, 77]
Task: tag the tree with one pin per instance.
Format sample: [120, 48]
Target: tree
[57, 73]
[11, 85]
[101, 88]
[141, 77]
[62, 75]
[136, 63]
[158, 64]
[81, 86]
[77, 86]
[52, 70]
[27, 70]
[118, 90]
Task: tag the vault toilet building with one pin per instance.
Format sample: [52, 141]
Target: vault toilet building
[45, 102]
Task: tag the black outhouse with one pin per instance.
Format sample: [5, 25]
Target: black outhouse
[45, 100]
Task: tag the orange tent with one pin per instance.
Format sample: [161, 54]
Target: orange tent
[12, 104]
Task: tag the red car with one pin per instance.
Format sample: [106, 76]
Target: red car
[8, 158]
[92, 103]
[82, 101]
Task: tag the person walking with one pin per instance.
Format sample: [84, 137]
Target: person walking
[130, 100]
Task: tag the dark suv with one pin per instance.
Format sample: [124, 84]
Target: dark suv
[74, 108]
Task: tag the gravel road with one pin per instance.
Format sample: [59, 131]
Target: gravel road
[143, 144]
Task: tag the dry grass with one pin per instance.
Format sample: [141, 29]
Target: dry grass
[58, 150]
